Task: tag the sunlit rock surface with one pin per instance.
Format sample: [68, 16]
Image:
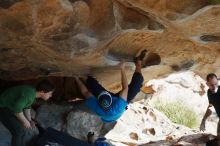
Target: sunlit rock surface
[66, 38]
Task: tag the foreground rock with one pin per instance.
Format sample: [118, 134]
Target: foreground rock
[189, 140]
[139, 125]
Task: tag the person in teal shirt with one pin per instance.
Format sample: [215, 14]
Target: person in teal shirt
[109, 106]
[15, 106]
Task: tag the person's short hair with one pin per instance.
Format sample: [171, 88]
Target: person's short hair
[211, 76]
[45, 86]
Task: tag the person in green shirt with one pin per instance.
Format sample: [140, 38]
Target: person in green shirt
[15, 106]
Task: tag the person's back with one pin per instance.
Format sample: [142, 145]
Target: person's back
[112, 113]
[214, 99]
[17, 98]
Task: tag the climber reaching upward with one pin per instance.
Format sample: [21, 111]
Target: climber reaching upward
[107, 105]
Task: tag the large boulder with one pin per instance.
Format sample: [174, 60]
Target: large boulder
[79, 123]
[142, 124]
[52, 116]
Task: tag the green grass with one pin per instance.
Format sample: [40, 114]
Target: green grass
[215, 1]
[178, 113]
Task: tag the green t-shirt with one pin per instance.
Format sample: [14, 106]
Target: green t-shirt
[18, 98]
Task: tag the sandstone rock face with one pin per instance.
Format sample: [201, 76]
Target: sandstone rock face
[63, 38]
[67, 37]
[190, 140]
[188, 89]
[140, 124]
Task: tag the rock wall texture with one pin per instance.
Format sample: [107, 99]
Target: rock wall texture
[63, 38]
[41, 38]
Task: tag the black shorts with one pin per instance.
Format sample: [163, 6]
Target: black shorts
[133, 88]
